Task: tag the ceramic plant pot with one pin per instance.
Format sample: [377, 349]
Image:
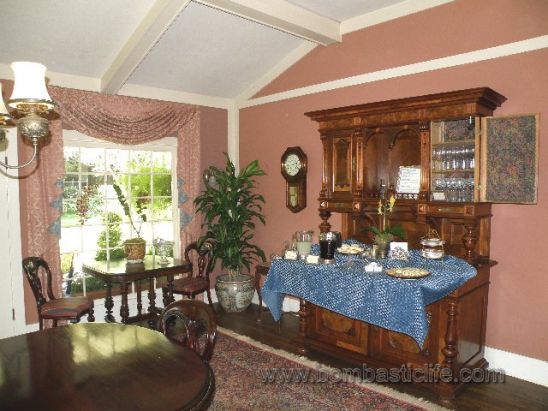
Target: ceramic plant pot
[135, 249]
[235, 292]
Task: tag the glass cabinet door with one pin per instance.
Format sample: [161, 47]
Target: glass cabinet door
[454, 160]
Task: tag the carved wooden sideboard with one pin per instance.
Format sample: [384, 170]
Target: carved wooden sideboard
[364, 144]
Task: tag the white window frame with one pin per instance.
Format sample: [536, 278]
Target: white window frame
[73, 138]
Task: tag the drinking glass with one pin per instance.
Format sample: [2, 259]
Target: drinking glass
[304, 242]
[459, 188]
[469, 184]
[328, 244]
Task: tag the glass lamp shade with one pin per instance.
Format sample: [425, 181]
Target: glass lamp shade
[4, 113]
[30, 87]
[3, 110]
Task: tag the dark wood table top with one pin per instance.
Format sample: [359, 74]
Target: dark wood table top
[95, 366]
[120, 270]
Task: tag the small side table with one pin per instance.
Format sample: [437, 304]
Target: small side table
[260, 270]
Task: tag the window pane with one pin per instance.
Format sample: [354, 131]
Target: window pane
[94, 202]
[70, 238]
[93, 179]
[94, 284]
[114, 207]
[117, 160]
[69, 217]
[162, 185]
[123, 182]
[93, 159]
[146, 232]
[162, 209]
[140, 161]
[71, 187]
[91, 235]
[74, 286]
[161, 162]
[140, 185]
[164, 230]
[72, 159]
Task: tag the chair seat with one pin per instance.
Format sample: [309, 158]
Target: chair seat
[66, 307]
[189, 285]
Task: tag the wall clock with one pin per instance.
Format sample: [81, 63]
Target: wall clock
[294, 168]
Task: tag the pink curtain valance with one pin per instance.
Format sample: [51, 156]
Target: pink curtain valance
[120, 119]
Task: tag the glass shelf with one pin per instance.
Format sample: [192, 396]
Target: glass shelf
[458, 170]
[455, 143]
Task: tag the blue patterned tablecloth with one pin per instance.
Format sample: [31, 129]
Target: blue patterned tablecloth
[376, 298]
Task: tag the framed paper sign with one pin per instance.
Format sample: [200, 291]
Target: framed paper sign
[409, 180]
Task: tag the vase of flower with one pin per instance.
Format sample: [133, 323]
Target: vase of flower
[383, 243]
[384, 233]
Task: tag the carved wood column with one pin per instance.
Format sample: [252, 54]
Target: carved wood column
[357, 164]
[139, 299]
[451, 337]
[303, 318]
[424, 129]
[324, 215]
[470, 238]
[109, 304]
[124, 308]
[326, 158]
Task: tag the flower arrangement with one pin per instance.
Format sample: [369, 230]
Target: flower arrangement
[384, 233]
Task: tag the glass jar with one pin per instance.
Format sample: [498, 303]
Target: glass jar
[432, 246]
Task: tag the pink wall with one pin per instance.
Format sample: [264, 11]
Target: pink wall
[454, 28]
[214, 132]
[517, 317]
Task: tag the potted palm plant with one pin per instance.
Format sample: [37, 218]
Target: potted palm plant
[230, 210]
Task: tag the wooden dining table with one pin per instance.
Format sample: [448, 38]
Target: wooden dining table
[122, 273]
[101, 366]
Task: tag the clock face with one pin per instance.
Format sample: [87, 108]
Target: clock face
[292, 165]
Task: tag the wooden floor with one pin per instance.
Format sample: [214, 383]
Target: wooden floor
[513, 394]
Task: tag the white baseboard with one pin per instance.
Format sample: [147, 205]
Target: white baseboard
[518, 366]
[514, 365]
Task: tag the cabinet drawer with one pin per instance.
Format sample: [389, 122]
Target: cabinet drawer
[401, 349]
[338, 330]
[446, 209]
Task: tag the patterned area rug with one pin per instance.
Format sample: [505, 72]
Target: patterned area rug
[250, 375]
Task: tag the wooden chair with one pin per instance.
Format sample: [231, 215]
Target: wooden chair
[51, 308]
[190, 286]
[191, 323]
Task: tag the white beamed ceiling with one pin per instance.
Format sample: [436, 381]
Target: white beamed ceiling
[218, 48]
[217, 59]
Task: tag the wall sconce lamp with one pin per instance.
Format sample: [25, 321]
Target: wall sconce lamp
[31, 105]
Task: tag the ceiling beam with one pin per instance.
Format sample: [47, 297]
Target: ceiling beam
[284, 16]
[147, 34]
